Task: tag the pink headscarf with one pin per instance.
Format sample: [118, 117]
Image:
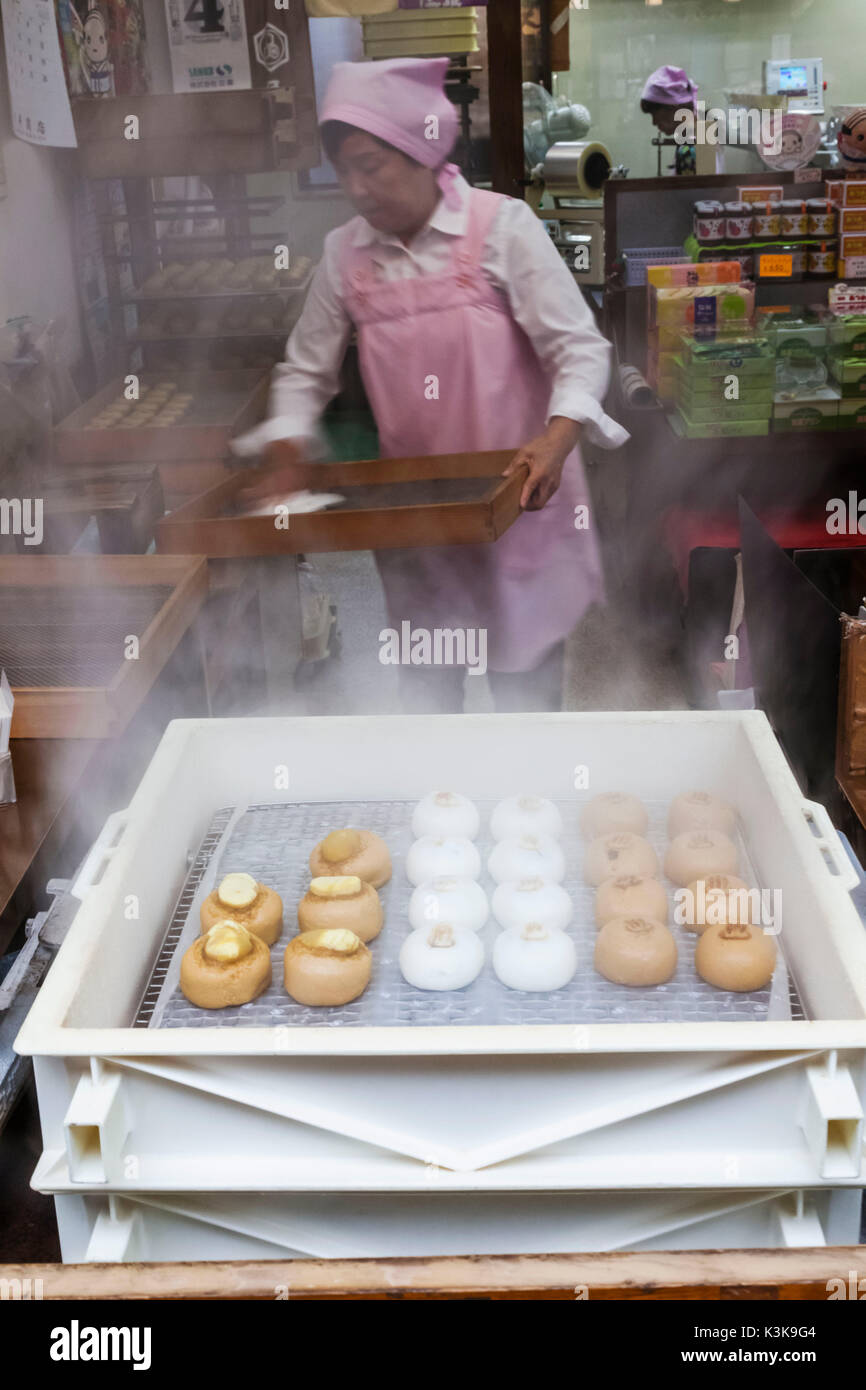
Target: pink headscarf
[670, 87]
[403, 102]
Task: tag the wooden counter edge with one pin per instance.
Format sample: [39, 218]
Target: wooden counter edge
[772, 1275]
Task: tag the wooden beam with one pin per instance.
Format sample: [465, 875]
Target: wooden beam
[505, 69]
[560, 59]
[771, 1275]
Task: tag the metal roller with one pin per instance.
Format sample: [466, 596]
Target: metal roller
[576, 168]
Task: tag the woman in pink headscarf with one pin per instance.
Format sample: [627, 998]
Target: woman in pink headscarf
[666, 94]
[472, 335]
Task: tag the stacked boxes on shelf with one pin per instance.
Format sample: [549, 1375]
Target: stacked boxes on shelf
[804, 398]
[683, 297]
[724, 383]
[849, 196]
[846, 361]
[421, 32]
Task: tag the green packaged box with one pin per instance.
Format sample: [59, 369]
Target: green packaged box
[742, 355]
[700, 394]
[820, 411]
[850, 373]
[729, 412]
[848, 333]
[718, 429]
[852, 413]
[794, 333]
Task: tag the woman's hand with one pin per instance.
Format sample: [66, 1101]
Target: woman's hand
[544, 456]
[283, 470]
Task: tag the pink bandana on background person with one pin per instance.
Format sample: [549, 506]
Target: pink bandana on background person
[395, 99]
[670, 86]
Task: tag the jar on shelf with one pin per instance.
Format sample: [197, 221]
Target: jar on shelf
[766, 221]
[821, 259]
[822, 217]
[709, 221]
[738, 221]
[795, 218]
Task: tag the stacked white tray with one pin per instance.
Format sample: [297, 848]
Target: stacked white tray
[740, 1120]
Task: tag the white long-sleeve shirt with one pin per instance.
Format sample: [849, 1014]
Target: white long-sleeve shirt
[520, 261]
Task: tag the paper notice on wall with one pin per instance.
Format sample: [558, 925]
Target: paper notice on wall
[208, 45]
[37, 84]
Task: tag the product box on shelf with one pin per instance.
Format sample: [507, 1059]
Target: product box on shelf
[720, 429]
[817, 411]
[706, 305]
[846, 335]
[702, 412]
[852, 220]
[849, 373]
[852, 413]
[710, 364]
[850, 193]
[676, 276]
[710, 355]
[702, 392]
[846, 299]
[660, 369]
[767, 193]
[852, 244]
[794, 330]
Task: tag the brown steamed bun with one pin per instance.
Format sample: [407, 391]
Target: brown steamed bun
[697, 853]
[698, 810]
[635, 951]
[240, 898]
[326, 967]
[715, 899]
[344, 901]
[622, 852]
[226, 966]
[736, 956]
[631, 895]
[349, 851]
[611, 811]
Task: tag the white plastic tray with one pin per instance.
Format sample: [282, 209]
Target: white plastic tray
[569, 1103]
[265, 1225]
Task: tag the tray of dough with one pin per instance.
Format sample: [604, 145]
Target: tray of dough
[272, 843]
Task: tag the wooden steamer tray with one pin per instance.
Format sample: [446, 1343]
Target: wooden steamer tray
[63, 624]
[225, 404]
[286, 290]
[446, 499]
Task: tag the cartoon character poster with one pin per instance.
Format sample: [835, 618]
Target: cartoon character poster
[105, 47]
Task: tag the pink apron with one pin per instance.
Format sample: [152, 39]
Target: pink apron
[529, 588]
